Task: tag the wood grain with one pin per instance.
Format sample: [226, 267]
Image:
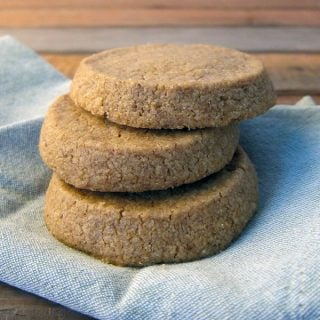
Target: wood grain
[251, 39]
[293, 99]
[77, 13]
[294, 74]
[16, 304]
[85, 17]
[221, 4]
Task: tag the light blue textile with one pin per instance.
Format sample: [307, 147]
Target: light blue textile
[271, 272]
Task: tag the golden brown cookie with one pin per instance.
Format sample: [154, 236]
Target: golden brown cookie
[90, 153]
[173, 86]
[181, 224]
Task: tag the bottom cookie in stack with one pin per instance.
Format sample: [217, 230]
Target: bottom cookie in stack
[136, 229]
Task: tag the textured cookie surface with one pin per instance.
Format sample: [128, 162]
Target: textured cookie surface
[181, 224]
[90, 153]
[173, 86]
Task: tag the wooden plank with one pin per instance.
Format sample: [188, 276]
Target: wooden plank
[265, 39]
[160, 4]
[66, 17]
[292, 100]
[15, 303]
[292, 74]
[65, 63]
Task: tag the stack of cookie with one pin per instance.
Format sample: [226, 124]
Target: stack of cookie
[147, 167]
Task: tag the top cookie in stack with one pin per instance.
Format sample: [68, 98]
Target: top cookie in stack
[173, 86]
[170, 195]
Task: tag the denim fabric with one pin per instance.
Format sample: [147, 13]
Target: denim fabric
[270, 272]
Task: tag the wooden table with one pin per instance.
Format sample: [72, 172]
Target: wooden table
[284, 34]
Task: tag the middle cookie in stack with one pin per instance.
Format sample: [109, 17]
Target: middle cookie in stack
[165, 87]
[92, 153]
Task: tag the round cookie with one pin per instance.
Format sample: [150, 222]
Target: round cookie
[175, 225]
[92, 153]
[173, 86]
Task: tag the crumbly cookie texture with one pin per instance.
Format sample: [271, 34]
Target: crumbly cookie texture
[137, 229]
[173, 86]
[91, 153]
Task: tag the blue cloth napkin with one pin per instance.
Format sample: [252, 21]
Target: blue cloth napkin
[271, 272]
